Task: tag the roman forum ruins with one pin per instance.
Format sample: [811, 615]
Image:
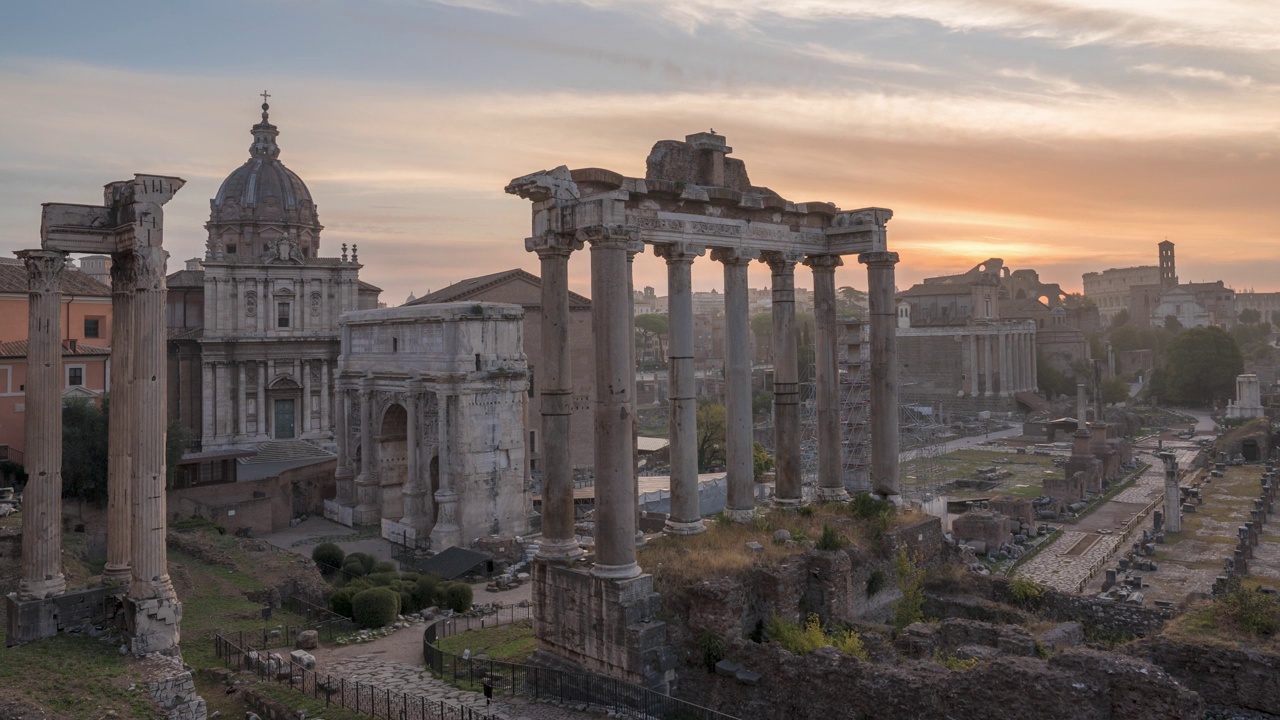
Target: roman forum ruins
[130, 227]
[692, 199]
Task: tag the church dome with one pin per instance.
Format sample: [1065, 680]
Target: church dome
[260, 201]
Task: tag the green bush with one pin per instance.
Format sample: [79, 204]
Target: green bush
[1248, 611]
[830, 540]
[340, 601]
[375, 607]
[353, 568]
[712, 647]
[910, 609]
[384, 566]
[426, 593]
[875, 582]
[406, 602]
[457, 597]
[328, 557]
[383, 579]
[366, 560]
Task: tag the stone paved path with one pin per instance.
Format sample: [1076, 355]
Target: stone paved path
[415, 680]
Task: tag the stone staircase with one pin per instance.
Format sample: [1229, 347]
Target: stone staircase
[287, 451]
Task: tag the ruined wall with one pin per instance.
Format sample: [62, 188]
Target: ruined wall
[1235, 678]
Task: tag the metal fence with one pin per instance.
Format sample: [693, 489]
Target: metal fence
[363, 698]
[496, 678]
[501, 616]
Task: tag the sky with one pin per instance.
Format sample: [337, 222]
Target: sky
[1065, 136]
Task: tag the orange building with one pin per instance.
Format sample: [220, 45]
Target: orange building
[86, 332]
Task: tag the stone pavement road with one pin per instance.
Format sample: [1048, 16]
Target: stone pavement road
[415, 680]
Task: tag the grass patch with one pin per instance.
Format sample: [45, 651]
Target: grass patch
[512, 643]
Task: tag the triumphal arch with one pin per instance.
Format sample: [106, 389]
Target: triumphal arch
[129, 226]
[692, 199]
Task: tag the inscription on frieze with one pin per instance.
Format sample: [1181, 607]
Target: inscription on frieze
[662, 224]
[722, 230]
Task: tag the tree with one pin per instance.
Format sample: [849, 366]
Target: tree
[1120, 318]
[1200, 366]
[762, 328]
[1114, 390]
[711, 434]
[1249, 315]
[1275, 317]
[84, 451]
[653, 325]
[1051, 381]
[853, 302]
[761, 460]
[1172, 324]
[178, 438]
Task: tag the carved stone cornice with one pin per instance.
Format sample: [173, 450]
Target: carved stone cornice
[676, 253]
[553, 244]
[44, 270]
[823, 263]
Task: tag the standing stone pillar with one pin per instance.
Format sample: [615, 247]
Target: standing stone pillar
[368, 496]
[415, 489]
[988, 360]
[884, 372]
[786, 380]
[304, 405]
[326, 388]
[152, 609]
[739, 462]
[262, 400]
[242, 403]
[826, 376]
[1172, 496]
[635, 247]
[206, 394]
[1006, 379]
[345, 475]
[555, 382]
[682, 402]
[973, 364]
[122, 407]
[446, 532]
[42, 500]
[611, 308]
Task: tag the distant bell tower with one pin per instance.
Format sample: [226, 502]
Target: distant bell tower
[1168, 271]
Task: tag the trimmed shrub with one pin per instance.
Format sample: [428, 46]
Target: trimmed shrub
[366, 560]
[406, 602]
[353, 568]
[340, 601]
[328, 557]
[375, 607]
[830, 540]
[383, 579]
[457, 597]
[384, 566]
[426, 593]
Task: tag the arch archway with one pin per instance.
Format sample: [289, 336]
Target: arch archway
[284, 398]
[393, 459]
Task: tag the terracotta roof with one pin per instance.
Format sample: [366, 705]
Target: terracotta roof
[469, 288]
[186, 279]
[369, 286]
[13, 279]
[18, 349]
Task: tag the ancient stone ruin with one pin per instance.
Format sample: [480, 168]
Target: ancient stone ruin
[693, 198]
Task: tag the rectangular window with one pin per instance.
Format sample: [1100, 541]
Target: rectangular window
[91, 327]
[75, 376]
[231, 249]
[282, 315]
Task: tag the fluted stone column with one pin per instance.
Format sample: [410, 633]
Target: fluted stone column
[786, 380]
[682, 402]
[1002, 349]
[739, 462]
[42, 500]
[988, 359]
[154, 622]
[611, 309]
[446, 532]
[242, 404]
[206, 400]
[884, 372]
[555, 382]
[122, 407]
[973, 364]
[415, 489]
[345, 474]
[826, 376]
[262, 399]
[635, 247]
[368, 496]
[326, 390]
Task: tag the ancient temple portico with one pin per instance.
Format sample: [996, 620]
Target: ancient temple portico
[129, 226]
[693, 201]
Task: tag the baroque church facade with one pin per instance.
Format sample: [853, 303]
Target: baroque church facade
[253, 327]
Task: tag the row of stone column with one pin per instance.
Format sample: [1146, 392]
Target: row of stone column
[136, 443]
[615, 470]
[1007, 354]
[232, 424]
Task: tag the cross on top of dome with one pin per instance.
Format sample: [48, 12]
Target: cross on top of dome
[264, 134]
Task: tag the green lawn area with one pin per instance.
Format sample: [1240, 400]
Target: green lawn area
[1027, 472]
[509, 643]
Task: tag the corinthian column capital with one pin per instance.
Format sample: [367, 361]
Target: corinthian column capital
[823, 263]
[781, 260]
[149, 267]
[675, 253]
[44, 270]
[553, 244]
[610, 236]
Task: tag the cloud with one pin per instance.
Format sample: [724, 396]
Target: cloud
[1238, 82]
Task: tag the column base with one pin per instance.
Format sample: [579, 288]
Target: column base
[152, 625]
[616, 572]
[559, 550]
[445, 536]
[366, 515]
[894, 498]
[741, 516]
[787, 503]
[42, 589]
[827, 494]
[116, 574]
[675, 527]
